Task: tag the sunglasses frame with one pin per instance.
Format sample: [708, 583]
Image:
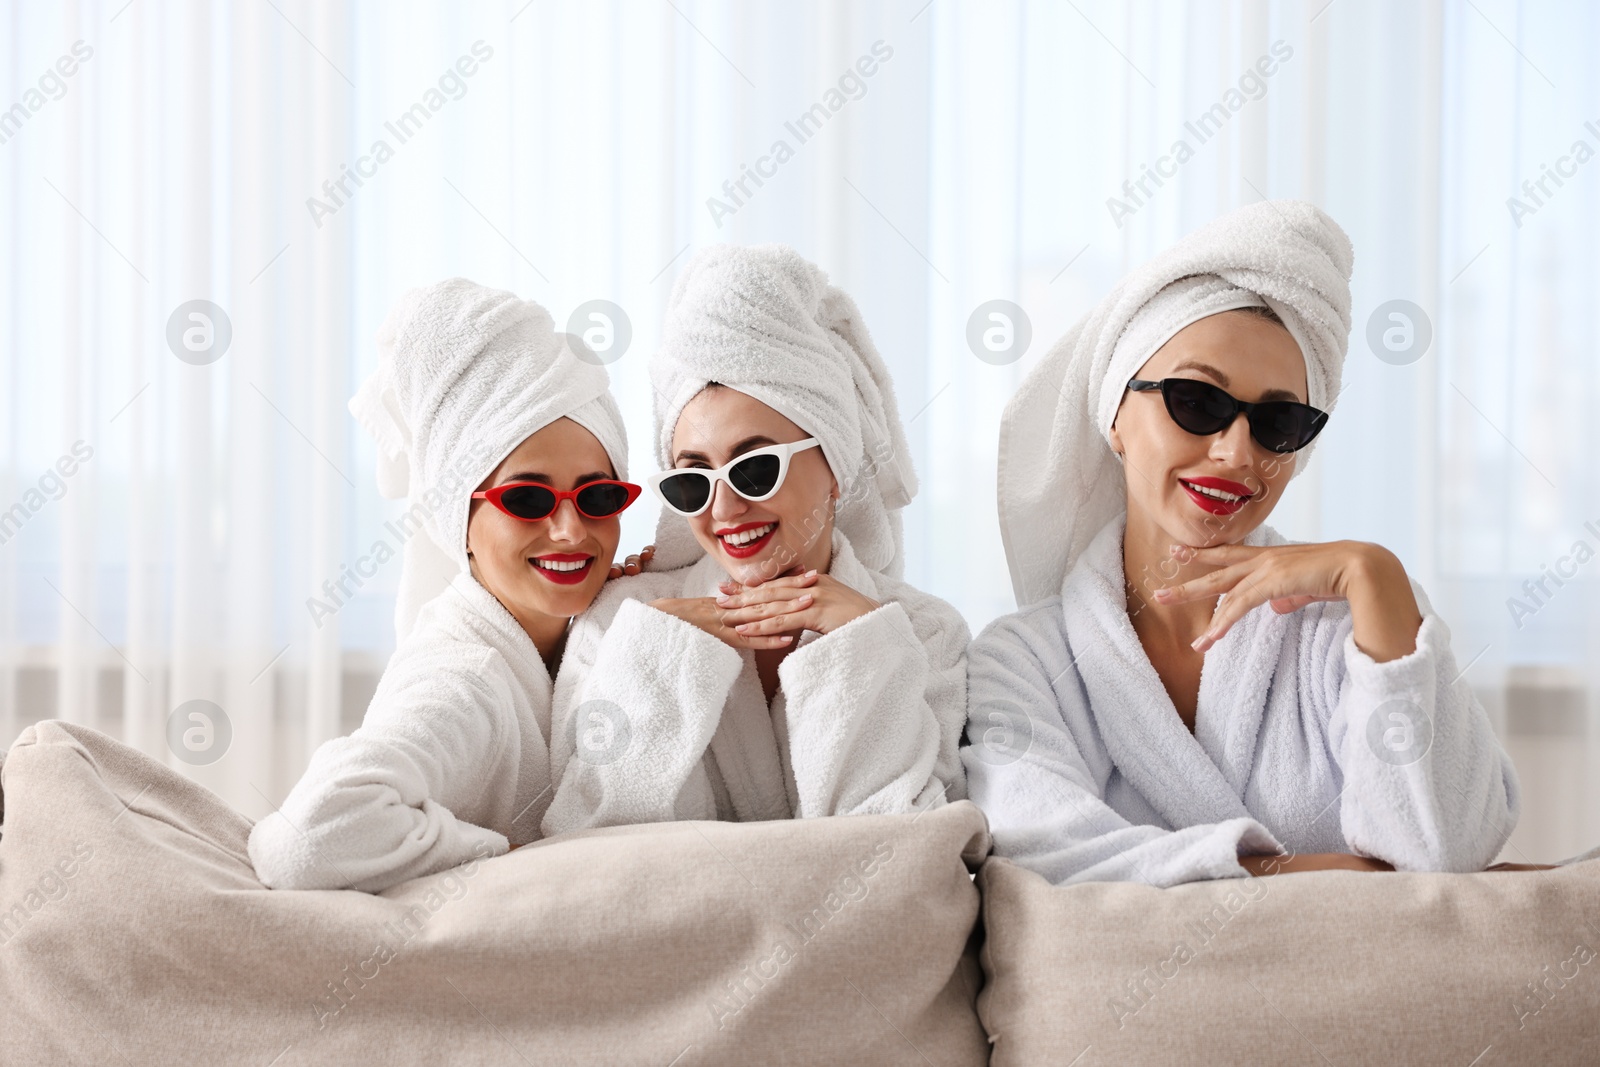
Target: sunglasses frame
[493, 496]
[784, 453]
[1319, 417]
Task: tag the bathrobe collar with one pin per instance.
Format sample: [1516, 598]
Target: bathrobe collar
[482, 615]
[1188, 778]
[749, 748]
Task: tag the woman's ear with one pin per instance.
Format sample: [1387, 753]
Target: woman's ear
[1116, 439]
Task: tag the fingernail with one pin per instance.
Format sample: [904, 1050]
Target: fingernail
[811, 574]
[724, 600]
[785, 639]
[1201, 643]
[1162, 594]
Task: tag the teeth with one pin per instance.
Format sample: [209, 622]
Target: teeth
[553, 565]
[744, 537]
[1215, 494]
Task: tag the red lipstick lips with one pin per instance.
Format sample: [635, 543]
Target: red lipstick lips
[745, 551]
[565, 577]
[1217, 505]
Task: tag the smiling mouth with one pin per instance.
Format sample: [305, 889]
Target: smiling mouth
[1215, 499]
[563, 570]
[744, 541]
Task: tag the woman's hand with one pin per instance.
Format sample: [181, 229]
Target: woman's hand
[633, 564]
[1261, 866]
[1370, 577]
[702, 611]
[791, 604]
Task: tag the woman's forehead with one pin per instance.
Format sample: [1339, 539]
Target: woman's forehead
[562, 446]
[718, 418]
[1242, 352]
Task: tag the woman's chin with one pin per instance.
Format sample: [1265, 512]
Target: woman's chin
[1211, 531]
[547, 598]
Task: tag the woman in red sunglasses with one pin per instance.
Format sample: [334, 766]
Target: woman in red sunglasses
[773, 666]
[505, 438]
[1185, 694]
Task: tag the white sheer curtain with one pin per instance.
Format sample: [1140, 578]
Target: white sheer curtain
[936, 156]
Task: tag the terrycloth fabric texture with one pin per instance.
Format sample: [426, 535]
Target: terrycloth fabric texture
[465, 374]
[451, 761]
[1059, 481]
[1087, 773]
[1327, 967]
[766, 322]
[674, 723]
[134, 932]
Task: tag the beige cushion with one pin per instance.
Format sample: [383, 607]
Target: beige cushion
[1327, 967]
[133, 930]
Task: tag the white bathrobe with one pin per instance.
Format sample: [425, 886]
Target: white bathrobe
[1097, 778]
[451, 761]
[866, 720]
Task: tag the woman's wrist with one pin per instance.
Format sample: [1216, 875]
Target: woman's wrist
[1383, 611]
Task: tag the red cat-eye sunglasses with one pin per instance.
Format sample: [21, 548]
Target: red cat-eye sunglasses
[532, 501]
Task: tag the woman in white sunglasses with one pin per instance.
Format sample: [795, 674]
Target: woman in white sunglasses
[514, 457]
[1186, 695]
[772, 665]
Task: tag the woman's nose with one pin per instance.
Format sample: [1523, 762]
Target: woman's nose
[725, 503]
[1233, 446]
[566, 524]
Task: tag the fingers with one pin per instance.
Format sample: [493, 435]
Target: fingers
[811, 577]
[762, 642]
[633, 564]
[736, 617]
[735, 596]
[1286, 605]
[1217, 555]
[781, 623]
[1233, 607]
[1207, 585]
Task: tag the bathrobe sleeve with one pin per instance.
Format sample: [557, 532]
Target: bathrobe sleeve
[646, 696]
[1427, 785]
[874, 712]
[376, 808]
[1036, 766]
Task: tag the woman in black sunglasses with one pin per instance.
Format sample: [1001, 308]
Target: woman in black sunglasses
[1187, 695]
[513, 456]
[774, 666]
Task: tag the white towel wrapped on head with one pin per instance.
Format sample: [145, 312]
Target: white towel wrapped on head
[1059, 481]
[465, 374]
[766, 322]
[452, 759]
[1095, 776]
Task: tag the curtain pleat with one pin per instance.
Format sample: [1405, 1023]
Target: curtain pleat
[202, 152]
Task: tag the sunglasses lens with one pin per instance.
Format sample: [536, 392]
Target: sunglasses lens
[528, 501]
[686, 492]
[1197, 407]
[1284, 426]
[756, 476]
[600, 501]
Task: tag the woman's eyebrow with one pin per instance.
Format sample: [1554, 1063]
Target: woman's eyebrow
[1203, 368]
[545, 479]
[748, 443]
[756, 441]
[1222, 380]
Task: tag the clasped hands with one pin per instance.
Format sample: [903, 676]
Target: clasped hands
[773, 613]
